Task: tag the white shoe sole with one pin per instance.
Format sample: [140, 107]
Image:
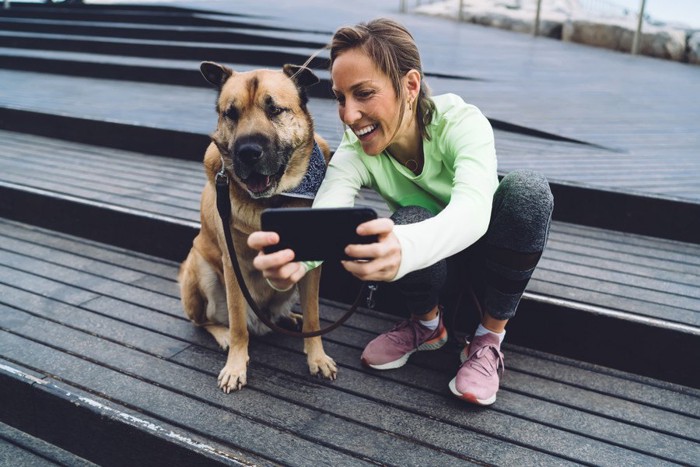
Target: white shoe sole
[395, 364]
[470, 397]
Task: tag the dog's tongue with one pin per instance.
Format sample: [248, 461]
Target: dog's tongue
[258, 183]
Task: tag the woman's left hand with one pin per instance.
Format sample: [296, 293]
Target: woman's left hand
[381, 260]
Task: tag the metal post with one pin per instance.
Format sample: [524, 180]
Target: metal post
[537, 18]
[460, 14]
[403, 6]
[638, 32]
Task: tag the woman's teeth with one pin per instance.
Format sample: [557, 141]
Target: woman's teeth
[365, 130]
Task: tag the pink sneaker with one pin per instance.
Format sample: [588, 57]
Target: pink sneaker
[392, 349]
[478, 378]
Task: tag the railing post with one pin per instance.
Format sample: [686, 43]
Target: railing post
[460, 14]
[536, 32]
[402, 6]
[638, 33]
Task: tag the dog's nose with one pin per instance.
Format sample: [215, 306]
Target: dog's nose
[250, 152]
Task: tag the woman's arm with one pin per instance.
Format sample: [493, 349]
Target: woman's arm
[467, 140]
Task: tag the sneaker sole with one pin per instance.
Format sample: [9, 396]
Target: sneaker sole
[398, 363]
[471, 398]
[436, 343]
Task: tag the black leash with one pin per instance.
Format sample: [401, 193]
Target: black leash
[223, 205]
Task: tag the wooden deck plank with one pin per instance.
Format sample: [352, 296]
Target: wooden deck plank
[681, 283]
[683, 280]
[680, 252]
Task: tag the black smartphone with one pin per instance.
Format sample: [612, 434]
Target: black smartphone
[317, 234]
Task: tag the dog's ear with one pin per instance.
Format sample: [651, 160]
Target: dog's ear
[301, 75]
[214, 73]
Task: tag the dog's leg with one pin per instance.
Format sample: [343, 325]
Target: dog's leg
[233, 375]
[204, 298]
[319, 363]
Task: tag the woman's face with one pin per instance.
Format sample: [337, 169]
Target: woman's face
[367, 102]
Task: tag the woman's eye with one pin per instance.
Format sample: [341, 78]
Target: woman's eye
[364, 94]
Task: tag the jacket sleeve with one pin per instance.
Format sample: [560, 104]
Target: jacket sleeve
[467, 140]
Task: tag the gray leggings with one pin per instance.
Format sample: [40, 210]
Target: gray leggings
[497, 267]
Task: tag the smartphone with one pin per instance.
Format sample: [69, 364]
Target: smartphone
[317, 234]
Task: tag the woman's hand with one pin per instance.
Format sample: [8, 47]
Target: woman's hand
[383, 258]
[278, 267]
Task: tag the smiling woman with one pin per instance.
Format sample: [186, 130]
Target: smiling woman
[454, 227]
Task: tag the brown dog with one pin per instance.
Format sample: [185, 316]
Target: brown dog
[265, 139]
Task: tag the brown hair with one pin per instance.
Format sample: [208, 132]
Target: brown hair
[393, 49]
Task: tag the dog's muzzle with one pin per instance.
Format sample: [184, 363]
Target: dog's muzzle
[256, 165]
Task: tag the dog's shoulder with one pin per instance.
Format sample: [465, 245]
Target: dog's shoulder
[212, 162]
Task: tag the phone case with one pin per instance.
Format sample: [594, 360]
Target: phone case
[317, 234]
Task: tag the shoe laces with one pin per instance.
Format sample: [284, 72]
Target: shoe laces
[397, 335]
[487, 360]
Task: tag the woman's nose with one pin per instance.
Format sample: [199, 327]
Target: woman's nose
[350, 113]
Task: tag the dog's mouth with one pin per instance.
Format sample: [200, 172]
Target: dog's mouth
[258, 184]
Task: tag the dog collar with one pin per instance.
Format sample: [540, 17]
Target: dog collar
[312, 179]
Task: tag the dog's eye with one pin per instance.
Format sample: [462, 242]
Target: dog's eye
[231, 113]
[274, 111]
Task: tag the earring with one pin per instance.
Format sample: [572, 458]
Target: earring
[410, 105]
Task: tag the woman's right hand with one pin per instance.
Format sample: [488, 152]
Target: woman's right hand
[279, 267]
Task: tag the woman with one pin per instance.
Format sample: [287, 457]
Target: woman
[433, 160]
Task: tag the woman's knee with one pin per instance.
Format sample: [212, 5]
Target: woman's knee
[410, 215]
[526, 187]
[523, 206]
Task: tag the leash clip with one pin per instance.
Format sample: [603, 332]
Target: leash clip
[370, 298]
[221, 177]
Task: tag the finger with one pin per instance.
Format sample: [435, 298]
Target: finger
[289, 271]
[288, 276]
[370, 270]
[366, 251]
[278, 259]
[299, 273]
[386, 245]
[259, 240]
[380, 226]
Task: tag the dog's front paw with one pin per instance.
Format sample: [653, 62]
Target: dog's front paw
[232, 378]
[322, 365]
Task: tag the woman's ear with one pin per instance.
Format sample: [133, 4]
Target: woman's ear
[412, 81]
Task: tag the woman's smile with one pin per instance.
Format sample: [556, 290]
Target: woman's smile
[365, 133]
